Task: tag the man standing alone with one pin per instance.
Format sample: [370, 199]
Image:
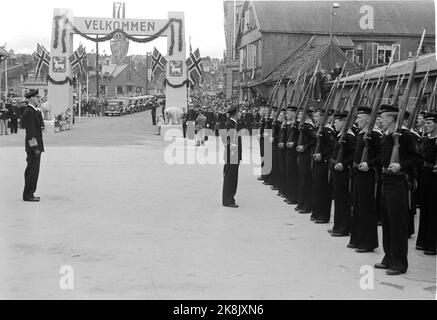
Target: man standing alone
[32, 122]
[232, 159]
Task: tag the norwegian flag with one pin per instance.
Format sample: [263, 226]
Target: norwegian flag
[158, 62]
[195, 67]
[43, 57]
[78, 61]
[83, 63]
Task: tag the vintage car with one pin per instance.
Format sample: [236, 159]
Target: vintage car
[117, 107]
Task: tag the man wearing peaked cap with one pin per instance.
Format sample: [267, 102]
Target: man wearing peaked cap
[427, 235]
[232, 157]
[34, 146]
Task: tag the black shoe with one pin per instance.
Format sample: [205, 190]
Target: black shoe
[312, 218]
[304, 211]
[274, 188]
[34, 199]
[321, 221]
[267, 183]
[380, 266]
[330, 231]
[260, 179]
[391, 272]
[363, 250]
[351, 246]
[420, 248]
[293, 202]
[231, 205]
[339, 234]
[429, 253]
[298, 208]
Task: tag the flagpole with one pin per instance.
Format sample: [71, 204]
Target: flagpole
[188, 75]
[80, 98]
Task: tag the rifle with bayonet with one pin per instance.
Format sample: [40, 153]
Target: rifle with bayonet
[412, 119]
[432, 97]
[398, 87]
[306, 105]
[398, 127]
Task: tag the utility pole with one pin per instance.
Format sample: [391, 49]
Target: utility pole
[97, 68]
[147, 73]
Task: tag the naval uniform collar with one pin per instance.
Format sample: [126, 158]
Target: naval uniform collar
[31, 105]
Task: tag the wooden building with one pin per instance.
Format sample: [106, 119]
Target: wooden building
[271, 31]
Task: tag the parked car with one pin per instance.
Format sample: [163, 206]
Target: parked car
[114, 108]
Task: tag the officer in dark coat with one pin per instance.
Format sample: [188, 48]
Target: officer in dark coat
[232, 157]
[33, 123]
[291, 165]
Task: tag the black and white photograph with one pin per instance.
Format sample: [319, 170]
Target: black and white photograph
[218, 150]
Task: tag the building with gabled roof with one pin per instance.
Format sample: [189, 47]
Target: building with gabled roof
[269, 32]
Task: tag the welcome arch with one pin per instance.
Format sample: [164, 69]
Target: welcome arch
[65, 25]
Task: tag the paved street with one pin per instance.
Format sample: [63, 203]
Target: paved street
[132, 226]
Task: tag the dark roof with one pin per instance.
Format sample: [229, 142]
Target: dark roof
[423, 63]
[391, 17]
[303, 59]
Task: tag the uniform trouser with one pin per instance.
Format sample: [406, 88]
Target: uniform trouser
[395, 221]
[292, 175]
[427, 237]
[4, 127]
[261, 153]
[184, 129]
[305, 180]
[342, 201]
[14, 125]
[412, 204]
[154, 118]
[321, 191]
[31, 175]
[281, 171]
[364, 233]
[275, 165]
[230, 182]
[378, 193]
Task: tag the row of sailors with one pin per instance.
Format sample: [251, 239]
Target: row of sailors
[364, 194]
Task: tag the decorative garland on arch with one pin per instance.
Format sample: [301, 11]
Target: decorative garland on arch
[111, 35]
[176, 86]
[68, 80]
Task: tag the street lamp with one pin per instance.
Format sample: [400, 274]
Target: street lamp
[334, 5]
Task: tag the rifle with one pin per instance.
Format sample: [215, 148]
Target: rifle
[372, 97]
[303, 93]
[273, 96]
[326, 109]
[432, 97]
[284, 96]
[398, 127]
[294, 88]
[412, 119]
[398, 88]
[338, 107]
[306, 104]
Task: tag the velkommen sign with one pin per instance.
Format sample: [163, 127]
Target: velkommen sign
[103, 26]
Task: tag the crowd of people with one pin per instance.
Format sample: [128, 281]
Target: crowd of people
[10, 113]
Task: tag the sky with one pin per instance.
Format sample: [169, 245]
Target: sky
[23, 23]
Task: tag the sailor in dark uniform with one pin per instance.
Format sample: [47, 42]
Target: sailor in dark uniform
[322, 198]
[268, 140]
[281, 174]
[307, 138]
[395, 193]
[364, 233]
[340, 172]
[292, 170]
[427, 235]
[33, 123]
[232, 157]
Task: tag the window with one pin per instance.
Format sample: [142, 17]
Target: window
[129, 89]
[255, 54]
[243, 59]
[381, 53]
[235, 79]
[102, 89]
[250, 56]
[119, 90]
